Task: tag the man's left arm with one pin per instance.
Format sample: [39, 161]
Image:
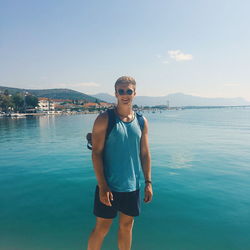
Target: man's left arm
[146, 163]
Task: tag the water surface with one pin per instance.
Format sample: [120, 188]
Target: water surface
[200, 170]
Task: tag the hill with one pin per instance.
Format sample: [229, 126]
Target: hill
[175, 100]
[180, 100]
[105, 97]
[54, 93]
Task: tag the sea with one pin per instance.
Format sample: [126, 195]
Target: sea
[200, 174]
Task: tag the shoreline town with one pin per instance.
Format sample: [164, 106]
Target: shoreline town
[48, 106]
[43, 106]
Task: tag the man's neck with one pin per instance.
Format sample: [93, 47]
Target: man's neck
[124, 110]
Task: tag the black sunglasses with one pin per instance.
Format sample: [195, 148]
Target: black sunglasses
[123, 92]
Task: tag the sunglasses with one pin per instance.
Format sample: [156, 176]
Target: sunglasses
[123, 92]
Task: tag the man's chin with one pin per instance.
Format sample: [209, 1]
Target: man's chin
[125, 103]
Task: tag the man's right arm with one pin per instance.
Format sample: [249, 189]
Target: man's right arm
[98, 141]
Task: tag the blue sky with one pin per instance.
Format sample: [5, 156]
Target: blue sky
[195, 47]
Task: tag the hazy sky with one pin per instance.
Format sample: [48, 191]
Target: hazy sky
[195, 47]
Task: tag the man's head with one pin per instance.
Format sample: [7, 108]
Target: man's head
[125, 89]
[125, 80]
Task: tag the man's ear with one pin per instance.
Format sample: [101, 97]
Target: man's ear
[134, 93]
[116, 95]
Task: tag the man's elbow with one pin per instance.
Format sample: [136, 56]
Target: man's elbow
[96, 153]
[145, 156]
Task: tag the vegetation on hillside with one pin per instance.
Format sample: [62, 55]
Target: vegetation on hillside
[54, 93]
[18, 102]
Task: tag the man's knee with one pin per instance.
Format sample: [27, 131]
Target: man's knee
[126, 225]
[102, 226]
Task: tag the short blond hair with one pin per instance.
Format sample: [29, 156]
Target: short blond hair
[125, 79]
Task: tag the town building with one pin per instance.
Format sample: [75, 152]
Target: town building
[45, 104]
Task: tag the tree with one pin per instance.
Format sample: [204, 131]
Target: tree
[31, 101]
[18, 101]
[5, 102]
[6, 92]
[97, 101]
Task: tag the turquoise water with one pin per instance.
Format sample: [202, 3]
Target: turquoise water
[201, 178]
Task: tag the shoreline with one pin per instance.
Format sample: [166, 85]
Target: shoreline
[25, 115]
[153, 110]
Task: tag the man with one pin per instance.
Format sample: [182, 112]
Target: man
[117, 160]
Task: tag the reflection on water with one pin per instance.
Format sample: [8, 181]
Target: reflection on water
[181, 160]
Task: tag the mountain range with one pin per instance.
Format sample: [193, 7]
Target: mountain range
[173, 100]
[179, 100]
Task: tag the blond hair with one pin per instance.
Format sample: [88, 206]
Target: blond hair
[125, 79]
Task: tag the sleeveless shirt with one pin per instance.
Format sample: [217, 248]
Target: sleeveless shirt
[122, 156]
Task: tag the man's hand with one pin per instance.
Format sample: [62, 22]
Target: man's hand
[148, 192]
[106, 196]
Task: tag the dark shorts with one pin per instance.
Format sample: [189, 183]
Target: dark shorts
[126, 202]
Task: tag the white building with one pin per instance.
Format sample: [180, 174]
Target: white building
[45, 104]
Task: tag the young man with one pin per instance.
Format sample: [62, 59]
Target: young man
[117, 160]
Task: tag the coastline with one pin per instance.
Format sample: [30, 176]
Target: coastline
[24, 115]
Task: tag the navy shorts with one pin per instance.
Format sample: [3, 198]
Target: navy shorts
[126, 202]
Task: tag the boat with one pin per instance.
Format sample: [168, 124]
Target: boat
[17, 115]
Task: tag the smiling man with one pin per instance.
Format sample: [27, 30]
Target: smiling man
[119, 150]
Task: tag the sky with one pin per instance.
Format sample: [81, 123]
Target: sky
[196, 47]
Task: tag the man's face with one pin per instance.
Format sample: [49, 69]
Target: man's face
[125, 93]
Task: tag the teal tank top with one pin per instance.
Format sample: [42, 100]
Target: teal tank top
[122, 156]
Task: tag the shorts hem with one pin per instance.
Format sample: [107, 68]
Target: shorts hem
[104, 217]
[132, 215]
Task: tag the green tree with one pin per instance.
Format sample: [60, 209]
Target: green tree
[5, 102]
[31, 101]
[18, 102]
[6, 92]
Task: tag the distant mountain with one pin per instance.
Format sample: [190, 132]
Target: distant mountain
[175, 100]
[179, 100]
[105, 97]
[53, 93]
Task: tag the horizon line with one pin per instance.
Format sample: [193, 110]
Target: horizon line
[214, 97]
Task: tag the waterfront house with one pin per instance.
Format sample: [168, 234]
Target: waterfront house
[45, 104]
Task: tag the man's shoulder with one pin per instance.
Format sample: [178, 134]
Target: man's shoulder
[106, 114]
[144, 118]
[102, 120]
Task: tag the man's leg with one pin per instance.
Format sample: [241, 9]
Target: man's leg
[125, 231]
[99, 232]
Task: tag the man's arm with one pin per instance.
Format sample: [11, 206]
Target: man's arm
[98, 141]
[146, 163]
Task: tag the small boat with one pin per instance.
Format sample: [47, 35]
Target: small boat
[17, 115]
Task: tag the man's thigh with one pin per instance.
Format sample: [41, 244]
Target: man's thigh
[130, 203]
[103, 211]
